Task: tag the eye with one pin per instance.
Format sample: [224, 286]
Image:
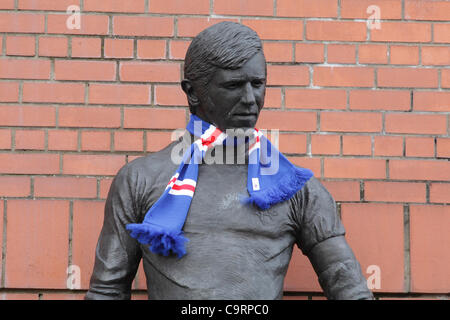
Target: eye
[257, 83]
[232, 85]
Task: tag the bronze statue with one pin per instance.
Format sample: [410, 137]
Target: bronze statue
[236, 250]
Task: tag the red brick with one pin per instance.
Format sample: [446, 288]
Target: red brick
[305, 8]
[86, 47]
[276, 29]
[325, 144]
[27, 116]
[62, 140]
[388, 146]
[407, 77]
[119, 48]
[287, 75]
[150, 71]
[445, 78]
[154, 118]
[101, 165]
[292, 143]
[18, 296]
[419, 170]
[436, 56]
[178, 49]
[273, 98]
[65, 187]
[29, 163]
[129, 141]
[37, 245]
[95, 141]
[309, 52]
[427, 10]
[24, 69]
[87, 224]
[373, 53]
[48, 5]
[105, 184]
[357, 145]
[371, 228]
[143, 26]
[389, 9]
[312, 164]
[53, 92]
[53, 46]
[89, 24]
[139, 296]
[5, 139]
[354, 168]
[419, 147]
[429, 258]
[14, 186]
[140, 282]
[179, 7]
[9, 91]
[243, 8]
[278, 51]
[190, 27]
[151, 49]
[287, 120]
[402, 32]
[30, 140]
[62, 296]
[158, 140]
[416, 123]
[89, 117]
[170, 96]
[441, 33]
[443, 147]
[432, 101]
[440, 192]
[341, 53]
[7, 4]
[85, 70]
[114, 6]
[22, 22]
[404, 55]
[119, 94]
[394, 191]
[380, 100]
[335, 30]
[351, 121]
[343, 190]
[300, 276]
[343, 76]
[20, 45]
[315, 99]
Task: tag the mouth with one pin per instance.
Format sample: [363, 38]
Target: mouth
[244, 115]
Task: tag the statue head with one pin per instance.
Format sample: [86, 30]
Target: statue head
[225, 76]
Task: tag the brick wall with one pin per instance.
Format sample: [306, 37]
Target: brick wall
[364, 105]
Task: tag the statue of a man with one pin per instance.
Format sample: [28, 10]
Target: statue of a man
[221, 230]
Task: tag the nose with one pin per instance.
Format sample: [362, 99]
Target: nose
[248, 96]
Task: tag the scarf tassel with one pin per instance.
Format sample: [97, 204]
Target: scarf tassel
[288, 185]
[159, 240]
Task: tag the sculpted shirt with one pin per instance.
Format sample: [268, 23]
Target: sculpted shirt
[235, 251]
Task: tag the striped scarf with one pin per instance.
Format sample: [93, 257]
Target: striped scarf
[163, 223]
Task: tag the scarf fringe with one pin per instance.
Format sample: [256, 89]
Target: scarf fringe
[287, 187]
[159, 241]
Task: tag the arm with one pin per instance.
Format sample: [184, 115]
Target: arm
[320, 236]
[338, 270]
[117, 255]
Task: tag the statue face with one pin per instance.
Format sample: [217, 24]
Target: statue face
[234, 98]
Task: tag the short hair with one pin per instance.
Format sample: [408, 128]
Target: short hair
[226, 45]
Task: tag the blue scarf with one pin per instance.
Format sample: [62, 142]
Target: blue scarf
[163, 223]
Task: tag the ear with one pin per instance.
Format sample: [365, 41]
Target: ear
[192, 97]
